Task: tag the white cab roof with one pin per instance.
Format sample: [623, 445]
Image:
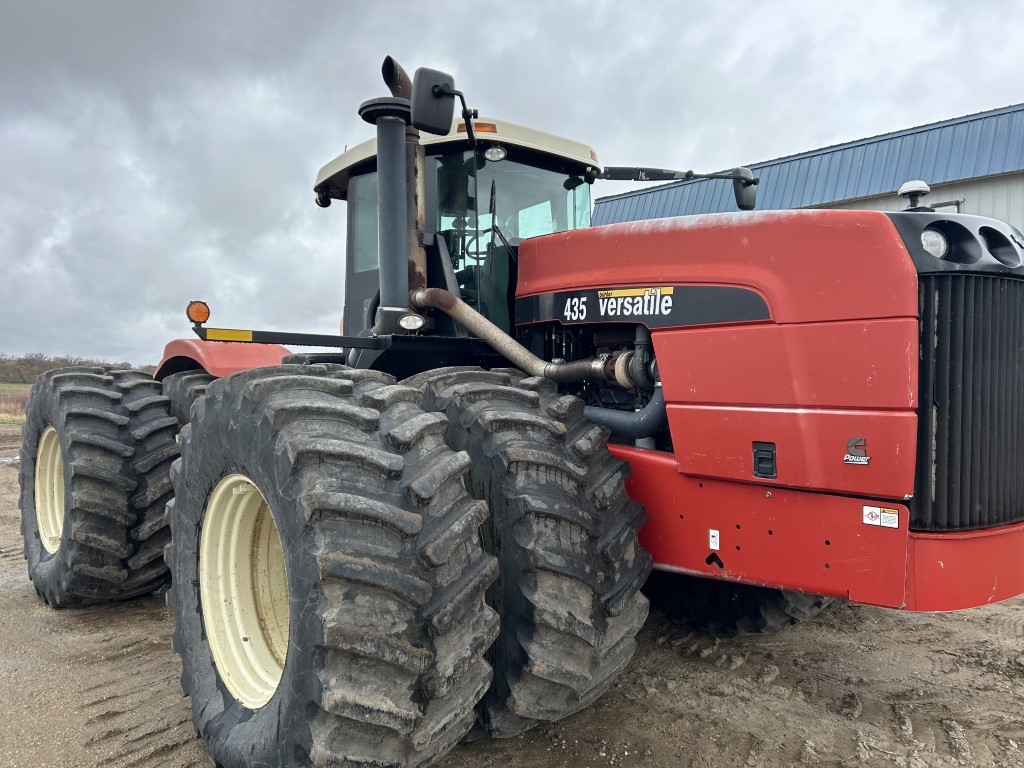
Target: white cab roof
[336, 173]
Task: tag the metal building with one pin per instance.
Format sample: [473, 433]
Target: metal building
[975, 162]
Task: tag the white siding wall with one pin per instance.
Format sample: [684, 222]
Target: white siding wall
[999, 197]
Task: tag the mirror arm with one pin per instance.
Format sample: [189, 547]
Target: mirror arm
[617, 173]
[620, 173]
[468, 115]
[743, 179]
[731, 176]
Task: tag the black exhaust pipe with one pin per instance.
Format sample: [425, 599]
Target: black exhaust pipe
[391, 114]
[396, 79]
[400, 85]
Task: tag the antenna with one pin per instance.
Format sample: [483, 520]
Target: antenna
[913, 191]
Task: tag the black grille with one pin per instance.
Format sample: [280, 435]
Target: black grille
[970, 456]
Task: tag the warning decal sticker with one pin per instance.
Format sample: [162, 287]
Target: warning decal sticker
[884, 517]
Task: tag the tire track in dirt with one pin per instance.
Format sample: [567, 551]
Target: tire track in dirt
[9, 549]
[88, 687]
[858, 690]
[136, 717]
[10, 439]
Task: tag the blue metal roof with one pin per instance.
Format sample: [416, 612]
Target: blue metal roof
[982, 144]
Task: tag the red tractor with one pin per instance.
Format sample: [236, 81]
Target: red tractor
[445, 525]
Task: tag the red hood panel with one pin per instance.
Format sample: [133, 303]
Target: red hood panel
[809, 265]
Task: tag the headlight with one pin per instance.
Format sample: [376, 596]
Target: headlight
[411, 322]
[935, 243]
[495, 154]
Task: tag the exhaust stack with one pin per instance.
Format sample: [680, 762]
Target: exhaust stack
[400, 85]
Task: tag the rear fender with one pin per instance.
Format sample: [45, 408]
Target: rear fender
[218, 358]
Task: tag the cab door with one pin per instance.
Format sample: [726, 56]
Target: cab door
[362, 264]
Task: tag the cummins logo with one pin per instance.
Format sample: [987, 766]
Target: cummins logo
[857, 451]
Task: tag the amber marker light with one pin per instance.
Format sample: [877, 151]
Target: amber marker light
[479, 128]
[198, 312]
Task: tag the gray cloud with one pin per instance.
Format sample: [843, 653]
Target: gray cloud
[156, 152]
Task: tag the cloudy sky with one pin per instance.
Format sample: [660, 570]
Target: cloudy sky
[155, 152]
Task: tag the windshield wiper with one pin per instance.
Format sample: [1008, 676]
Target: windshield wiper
[492, 209]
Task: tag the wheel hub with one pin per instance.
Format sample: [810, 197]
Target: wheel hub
[49, 490]
[244, 590]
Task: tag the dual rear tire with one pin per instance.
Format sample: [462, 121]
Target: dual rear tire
[97, 447]
[329, 579]
[391, 644]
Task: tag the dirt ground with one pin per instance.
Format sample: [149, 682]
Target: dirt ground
[857, 687]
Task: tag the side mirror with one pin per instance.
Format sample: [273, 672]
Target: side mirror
[433, 101]
[745, 189]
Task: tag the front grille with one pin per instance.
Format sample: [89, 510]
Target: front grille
[970, 455]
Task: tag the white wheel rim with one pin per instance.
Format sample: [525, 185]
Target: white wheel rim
[244, 591]
[50, 490]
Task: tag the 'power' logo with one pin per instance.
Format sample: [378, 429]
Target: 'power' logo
[857, 451]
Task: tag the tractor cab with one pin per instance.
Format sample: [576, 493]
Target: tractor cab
[479, 204]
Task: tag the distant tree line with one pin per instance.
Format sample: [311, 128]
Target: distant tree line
[25, 369]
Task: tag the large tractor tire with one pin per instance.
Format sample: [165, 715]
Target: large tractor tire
[725, 608]
[329, 579]
[564, 532]
[95, 456]
[183, 389]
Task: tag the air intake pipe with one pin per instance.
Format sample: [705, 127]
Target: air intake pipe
[604, 368]
[648, 421]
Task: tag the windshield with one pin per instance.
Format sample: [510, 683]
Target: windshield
[485, 208]
[519, 200]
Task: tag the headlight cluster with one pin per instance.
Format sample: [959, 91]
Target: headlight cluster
[950, 240]
[935, 243]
